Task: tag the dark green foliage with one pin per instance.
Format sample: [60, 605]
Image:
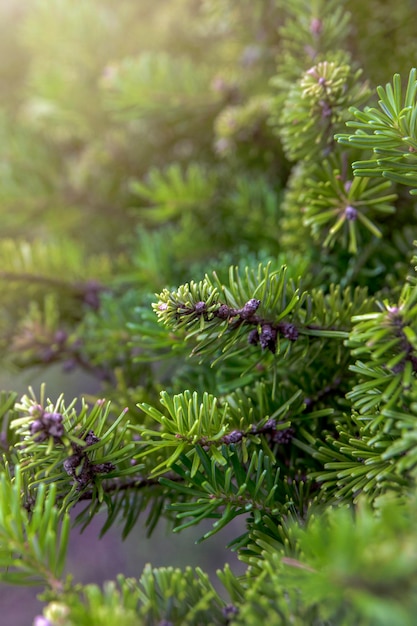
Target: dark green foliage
[209, 208]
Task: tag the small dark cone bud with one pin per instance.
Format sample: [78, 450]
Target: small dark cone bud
[85, 476]
[91, 438]
[283, 436]
[52, 425]
[35, 427]
[103, 468]
[223, 312]
[52, 418]
[269, 424]
[249, 309]
[268, 338]
[71, 463]
[289, 331]
[234, 437]
[56, 430]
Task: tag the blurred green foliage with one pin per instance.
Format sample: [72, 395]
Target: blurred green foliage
[206, 207]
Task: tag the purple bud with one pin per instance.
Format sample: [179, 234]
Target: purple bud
[351, 213]
[223, 312]
[230, 610]
[270, 424]
[200, 308]
[48, 425]
[283, 436]
[289, 331]
[56, 430]
[71, 463]
[37, 426]
[103, 468]
[253, 337]
[393, 309]
[91, 438]
[249, 309]
[234, 437]
[52, 418]
[268, 338]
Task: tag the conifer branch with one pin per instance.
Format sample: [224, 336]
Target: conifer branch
[282, 386]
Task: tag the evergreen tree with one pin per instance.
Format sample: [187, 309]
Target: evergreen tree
[239, 159]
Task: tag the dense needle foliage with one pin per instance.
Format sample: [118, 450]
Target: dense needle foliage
[210, 208]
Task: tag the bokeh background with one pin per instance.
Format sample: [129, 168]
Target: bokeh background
[72, 139]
